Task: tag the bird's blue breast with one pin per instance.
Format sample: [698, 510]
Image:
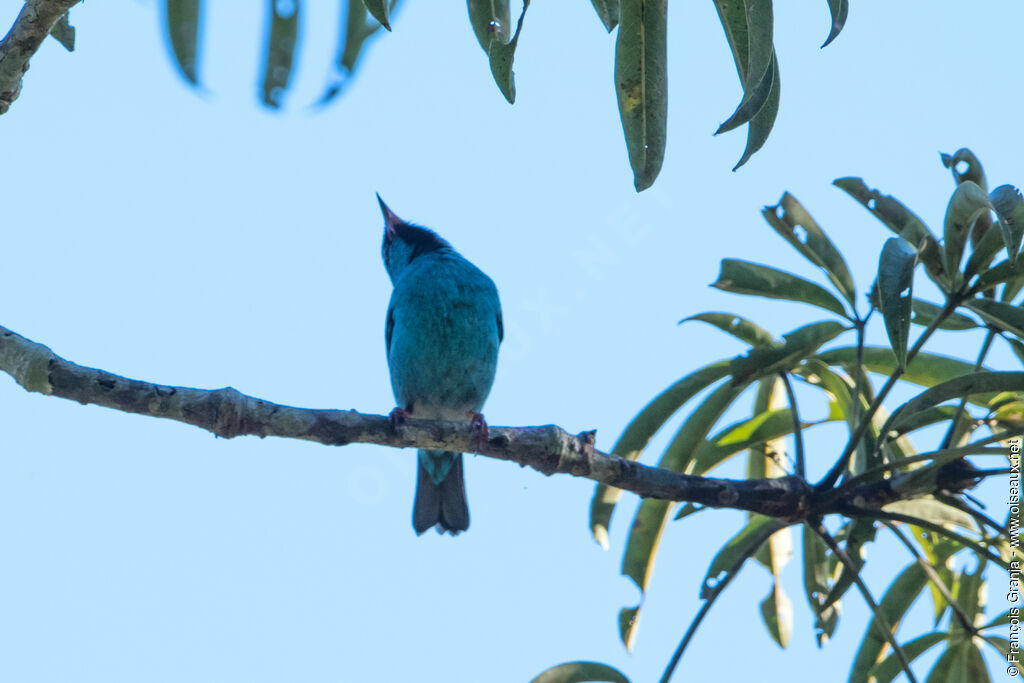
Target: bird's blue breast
[444, 330]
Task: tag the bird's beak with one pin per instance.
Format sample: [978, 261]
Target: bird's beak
[390, 219]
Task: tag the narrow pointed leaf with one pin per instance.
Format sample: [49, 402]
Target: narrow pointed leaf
[791, 220]
[63, 32]
[279, 51]
[838, 9]
[641, 85]
[895, 288]
[900, 220]
[962, 661]
[858, 534]
[653, 514]
[925, 312]
[737, 326]
[976, 383]
[797, 345]
[752, 20]
[968, 203]
[1004, 271]
[889, 668]
[356, 29]
[608, 12]
[818, 569]
[579, 672]
[740, 548]
[1004, 316]
[744, 277]
[491, 21]
[983, 250]
[380, 11]
[761, 125]
[182, 18]
[970, 171]
[900, 595]
[1009, 206]
[501, 56]
[641, 430]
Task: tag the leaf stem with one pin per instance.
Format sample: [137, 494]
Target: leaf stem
[960, 409]
[801, 466]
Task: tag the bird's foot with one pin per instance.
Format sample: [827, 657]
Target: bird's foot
[479, 426]
[397, 417]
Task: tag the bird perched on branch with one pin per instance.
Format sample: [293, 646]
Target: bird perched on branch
[442, 334]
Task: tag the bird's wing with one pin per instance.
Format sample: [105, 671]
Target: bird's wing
[389, 328]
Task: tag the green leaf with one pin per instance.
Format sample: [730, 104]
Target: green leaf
[838, 9]
[608, 12]
[967, 385]
[756, 74]
[279, 51]
[900, 220]
[740, 548]
[895, 285]
[1009, 206]
[761, 125]
[641, 430]
[999, 273]
[968, 203]
[973, 171]
[688, 509]
[889, 668]
[183, 18]
[819, 565]
[925, 312]
[858, 533]
[737, 326]
[926, 418]
[777, 614]
[960, 662]
[791, 220]
[893, 606]
[641, 84]
[63, 32]
[356, 29]
[801, 343]
[1004, 316]
[744, 277]
[928, 508]
[650, 520]
[491, 21]
[984, 250]
[579, 672]
[379, 10]
[969, 593]
[748, 29]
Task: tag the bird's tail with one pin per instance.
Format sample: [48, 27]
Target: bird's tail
[440, 493]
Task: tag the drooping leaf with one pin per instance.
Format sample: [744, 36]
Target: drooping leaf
[968, 203]
[925, 312]
[737, 326]
[740, 548]
[491, 21]
[983, 250]
[971, 171]
[380, 11]
[580, 672]
[279, 50]
[608, 12]
[356, 29]
[889, 668]
[641, 85]
[501, 56]
[653, 514]
[900, 220]
[895, 287]
[967, 385]
[801, 343]
[858, 533]
[794, 223]
[838, 9]
[1003, 316]
[744, 277]
[63, 32]
[819, 566]
[1009, 206]
[900, 595]
[183, 18]
[641, 430]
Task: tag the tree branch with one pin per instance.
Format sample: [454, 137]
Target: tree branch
[29, 31]
[548, 449]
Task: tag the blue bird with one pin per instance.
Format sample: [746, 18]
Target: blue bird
[442, 334]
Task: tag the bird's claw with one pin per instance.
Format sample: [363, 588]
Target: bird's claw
[479, 426]
[397, 418]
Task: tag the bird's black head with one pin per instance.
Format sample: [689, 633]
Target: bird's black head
[404, 242]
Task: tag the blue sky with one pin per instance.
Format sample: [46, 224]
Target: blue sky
[200, 240]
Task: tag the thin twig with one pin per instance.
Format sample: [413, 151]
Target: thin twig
[986, 345]
[801, 466]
